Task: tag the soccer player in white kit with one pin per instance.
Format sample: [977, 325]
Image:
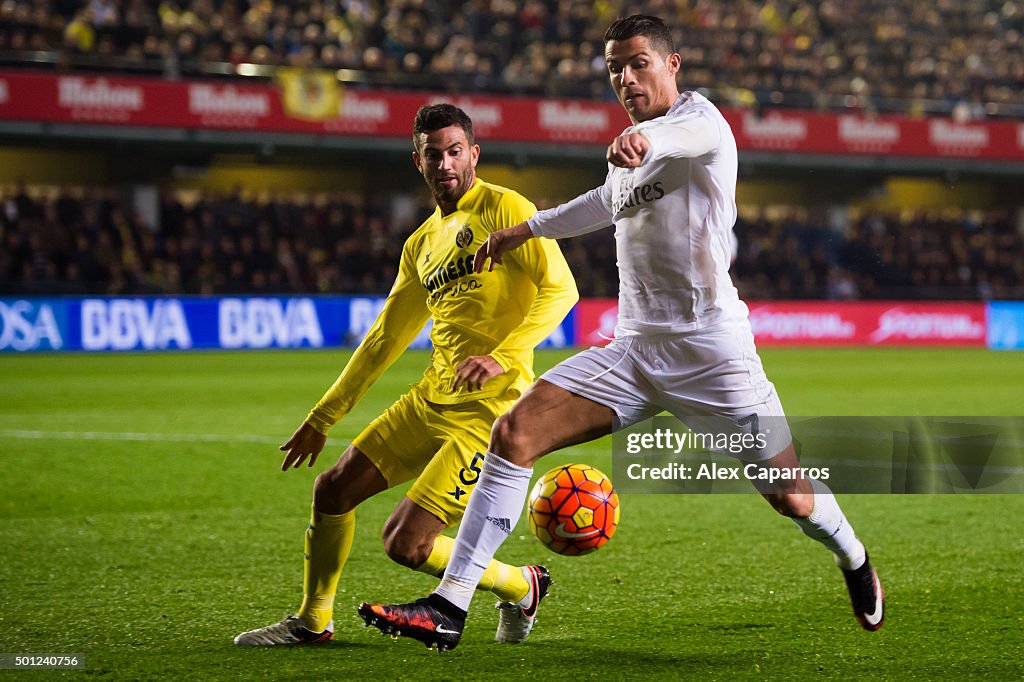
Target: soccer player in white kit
[683, 343]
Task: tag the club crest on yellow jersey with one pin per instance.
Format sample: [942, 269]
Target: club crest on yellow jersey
[464, 238]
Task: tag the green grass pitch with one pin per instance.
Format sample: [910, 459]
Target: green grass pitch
[144, 522]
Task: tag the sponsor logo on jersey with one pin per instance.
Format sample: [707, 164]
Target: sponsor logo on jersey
[453, 270]
[456, 289]
[643, 194]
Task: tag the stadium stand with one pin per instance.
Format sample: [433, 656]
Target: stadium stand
[942, 255]
[963, 59]
[914, 57]
[70, 241]
[90, 241]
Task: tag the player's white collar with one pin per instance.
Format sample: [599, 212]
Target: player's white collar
[683, 98]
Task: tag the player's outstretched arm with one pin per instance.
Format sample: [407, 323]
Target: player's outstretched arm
[499, 243]
[305, 442]
[400, 320]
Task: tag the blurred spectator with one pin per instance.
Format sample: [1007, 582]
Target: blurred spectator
[912, 56]
[91, 241]
[923, 255]
[65, 241]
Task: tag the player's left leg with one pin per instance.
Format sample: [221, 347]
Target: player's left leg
[437, 499]
[412, 537]
[813, 507]
[718, 374]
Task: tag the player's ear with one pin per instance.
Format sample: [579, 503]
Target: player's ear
[674, 63]
[475, 154]
[416, 160]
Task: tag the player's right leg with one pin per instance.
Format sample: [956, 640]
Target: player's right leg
[328, 542]
[388, 452]
[545, 419]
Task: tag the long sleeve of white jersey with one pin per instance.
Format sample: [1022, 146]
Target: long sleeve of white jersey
[586, 213]
[686, 135]
[673, 217]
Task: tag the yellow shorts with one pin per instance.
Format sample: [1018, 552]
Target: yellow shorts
[441, 446]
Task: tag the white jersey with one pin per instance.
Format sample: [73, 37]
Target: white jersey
[673, 220]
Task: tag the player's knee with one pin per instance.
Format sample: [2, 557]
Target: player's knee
[404, 548]
[330, 494]
[793, 505]
[511, 440]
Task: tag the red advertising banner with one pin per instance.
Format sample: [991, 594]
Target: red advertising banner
[595, 321]
[828, 323]
[115, 100]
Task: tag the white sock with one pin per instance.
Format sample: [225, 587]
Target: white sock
[828, 525]
[494, 508]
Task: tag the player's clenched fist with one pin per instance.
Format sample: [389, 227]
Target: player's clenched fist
[628, 150]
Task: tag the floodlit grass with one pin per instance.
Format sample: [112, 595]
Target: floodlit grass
[144, 523]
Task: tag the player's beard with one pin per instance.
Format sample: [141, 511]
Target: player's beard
[452, 193]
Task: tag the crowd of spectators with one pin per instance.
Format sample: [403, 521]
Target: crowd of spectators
[881, 255]
[914, 56]
[94, 242]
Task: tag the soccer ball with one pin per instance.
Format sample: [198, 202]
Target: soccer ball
[573, 509]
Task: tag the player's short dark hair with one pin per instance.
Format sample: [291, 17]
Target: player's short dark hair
[436, 116]
[652, 28]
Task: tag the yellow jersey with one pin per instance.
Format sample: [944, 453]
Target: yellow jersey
[504, 313]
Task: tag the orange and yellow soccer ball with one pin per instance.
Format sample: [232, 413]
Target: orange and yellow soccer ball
[573, 509]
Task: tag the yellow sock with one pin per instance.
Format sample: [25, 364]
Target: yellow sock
[505, 581]
[328, 543]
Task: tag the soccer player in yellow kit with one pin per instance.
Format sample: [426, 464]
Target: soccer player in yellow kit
[485, 328]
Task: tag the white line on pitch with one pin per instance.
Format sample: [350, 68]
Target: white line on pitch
[130, 436]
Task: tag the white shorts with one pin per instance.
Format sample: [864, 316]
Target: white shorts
[714, 372]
